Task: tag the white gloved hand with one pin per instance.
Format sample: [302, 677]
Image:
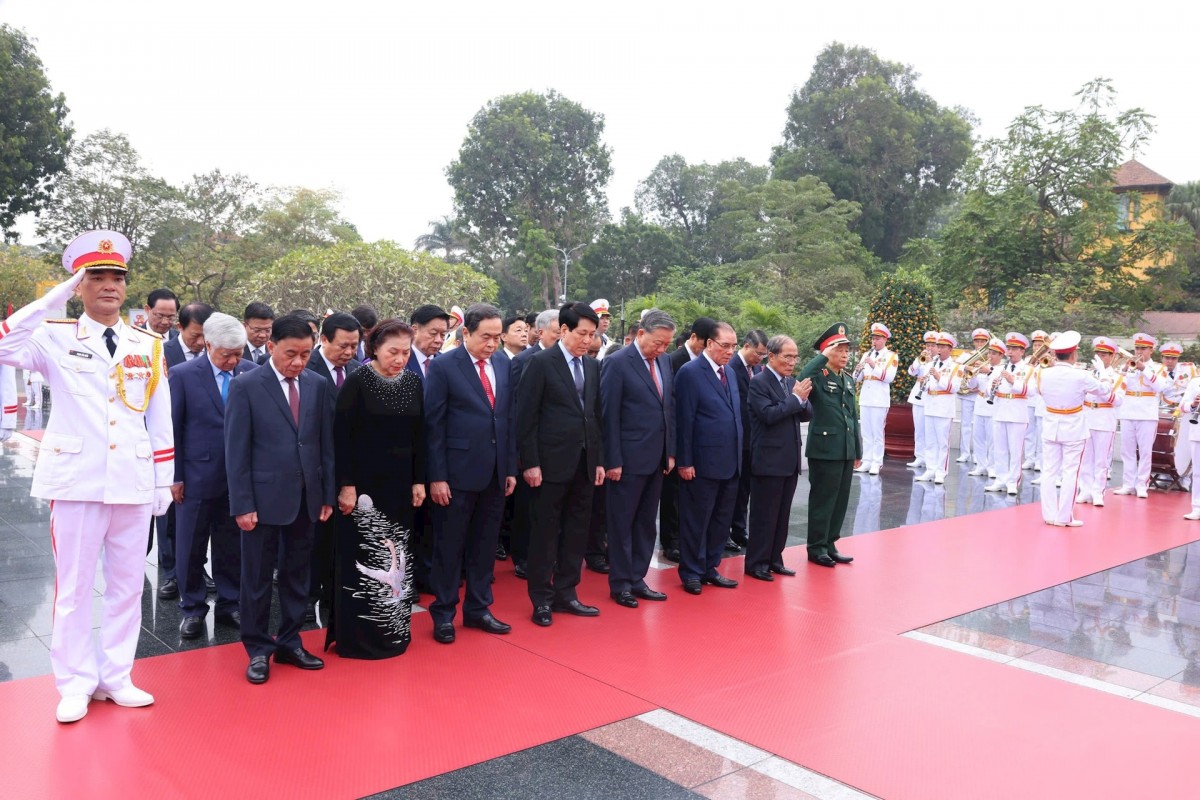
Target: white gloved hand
[162, 501]
[1097, 364]
[6, 434]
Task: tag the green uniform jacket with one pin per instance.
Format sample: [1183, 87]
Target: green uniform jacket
[833, 433]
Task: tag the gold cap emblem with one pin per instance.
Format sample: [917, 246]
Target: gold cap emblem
[842, 330]
[105, 246]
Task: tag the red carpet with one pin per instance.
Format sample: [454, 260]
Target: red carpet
[810, 668]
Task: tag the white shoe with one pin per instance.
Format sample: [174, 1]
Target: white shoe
[1037, 467]
[72, 708]
[977, 473]
[1142, 494]
[1075, 523]
[1027, 465]
[861, 468]
[925, 476]
[1083, 498]
[964, 458]
[1012, 489]
[992, 474]
[874, 469]
[1036, 482]
[939, 478]
[1098, 501]
[1122, 491]
[918, 463]
[1195, 515]
[993, 487]
[129, 696]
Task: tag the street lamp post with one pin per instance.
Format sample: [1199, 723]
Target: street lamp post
[566, 254]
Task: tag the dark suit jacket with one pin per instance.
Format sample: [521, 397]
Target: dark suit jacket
[246, 353]
[775, 417]
[679, 356]
[268, 459]
[317, 365]
[173, 353]
[553, 432]
[412, 367]
[834, 433]
[520, 362]
[470, 443]
[639, 426]
[198, 415]
[737, 369]
[708, 423]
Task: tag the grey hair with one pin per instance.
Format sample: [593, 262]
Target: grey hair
[224, 331]
[656, 320]
[775, 343]
[546, 319]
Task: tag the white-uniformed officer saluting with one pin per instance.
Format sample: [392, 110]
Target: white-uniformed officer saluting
[106, 464]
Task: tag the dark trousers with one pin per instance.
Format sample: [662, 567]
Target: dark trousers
[198, 522]
[262, 548]
[738, 529]
[468, 528]
[668, 512]
[320, 574]
[597, 542]
[522, 498]
[632, 503]
[705, 509]
[559, 536]
[770, 511]
[828, 496]
[420, 543]
[165, 525]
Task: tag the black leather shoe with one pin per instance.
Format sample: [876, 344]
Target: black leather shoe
[671, 555]
[299, 658]
[823, 560]
[740, 541]
[577, 608]
[717, 579]
[542, 616]
[646, 593]
[169, 589]
[841, 559]
[259, 669]
[519, 570]
[210, 585]
[599, 564]
[443, 633]
[780, 569]
[487, 623]
[691, 587]
[233, 619]
[762, 573]
[624, 599]
[501, 553]
[732, 547]
[191, 627]
[310, 612]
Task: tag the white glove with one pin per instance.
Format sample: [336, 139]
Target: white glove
[162, 501]
[6, 434]
[1097, 364]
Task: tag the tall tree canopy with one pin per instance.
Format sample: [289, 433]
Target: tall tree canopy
[862, 126]
[532, 160]
[628, 258]
[34, 133]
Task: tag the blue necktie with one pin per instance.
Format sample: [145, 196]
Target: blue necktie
[578, 379]
[225, 376]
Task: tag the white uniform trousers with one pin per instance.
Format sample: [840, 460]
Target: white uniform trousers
[937, 445]
[981, 443]
[966, 427]
[1137, 447]
[79, 531]
[1195, 483]
[919, 433]
[872, 433]
[1096, 466]
[1008, 446]
[1060, 462]
[1033, 438]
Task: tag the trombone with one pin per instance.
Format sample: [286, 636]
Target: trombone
[972, 365]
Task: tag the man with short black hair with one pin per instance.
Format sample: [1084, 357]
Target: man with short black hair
[257, 319]
[190, 342]
[745, 365]
[162, 309]
[515, 337]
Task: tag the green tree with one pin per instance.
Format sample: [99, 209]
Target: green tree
[35, 136]
[1183, 203]
[627, 258]
[342, 275]
[533, 159]
[1039, 217]
[448, 239]
[21, 270]
[861, 125]
[904, 302]
[295, 217]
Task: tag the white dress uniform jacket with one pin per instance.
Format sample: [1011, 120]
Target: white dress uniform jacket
[1142, 390]
[876, 389]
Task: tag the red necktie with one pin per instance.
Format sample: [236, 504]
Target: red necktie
[487, 385]
[294, 400]
[654, 375]
[724, 381]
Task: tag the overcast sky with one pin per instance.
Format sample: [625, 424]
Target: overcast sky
[373, 99]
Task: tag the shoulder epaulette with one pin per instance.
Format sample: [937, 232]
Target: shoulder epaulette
[155, 334]
[61, 321]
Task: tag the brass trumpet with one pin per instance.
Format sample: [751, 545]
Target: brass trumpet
[1129, 360]
[1041, 356]
[923, 358]
[969, 367]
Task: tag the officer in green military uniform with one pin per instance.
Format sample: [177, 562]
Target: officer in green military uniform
[834, 444]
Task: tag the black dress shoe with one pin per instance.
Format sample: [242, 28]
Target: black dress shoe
[717, 579]
[444, 633]
[841, 559]
[210, 585]
[191, 627]
[233, 619]
[823, 560]
[740, 541]
[732, 547]
[646, 593]
[519, 570]
[691, 587]
[298, 658]
[310, 612]
[259, 669]
[169, 589]
[487, 623]
[780, 569]
[542, 616]
[599, 564]
[501, 553]
[762, 573]
[577, 608]
[671, 555]
[624, 599]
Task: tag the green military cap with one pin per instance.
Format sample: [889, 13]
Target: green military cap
[835, 334]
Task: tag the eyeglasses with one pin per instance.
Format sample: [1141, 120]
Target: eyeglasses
[164, 317]
[263, 329]
[787, 357]
[726, 346]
